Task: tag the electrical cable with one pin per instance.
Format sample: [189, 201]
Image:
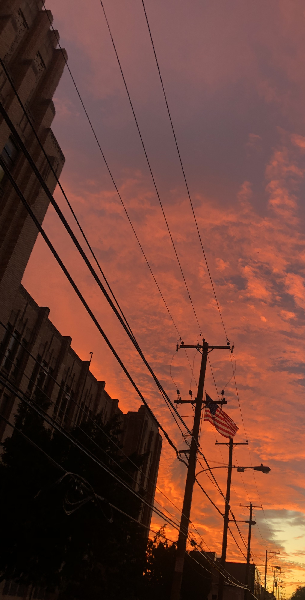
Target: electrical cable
[182, 168]
[150, 169]
[102, 431]
[50, 421]
[110, 174]
[109, 286]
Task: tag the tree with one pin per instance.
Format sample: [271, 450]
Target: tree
[158, 576]
[299, 593]
[57, 533]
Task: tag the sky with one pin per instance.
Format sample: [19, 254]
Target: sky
[234, 77]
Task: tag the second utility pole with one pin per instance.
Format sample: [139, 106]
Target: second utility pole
[231, 445]
[190, 479]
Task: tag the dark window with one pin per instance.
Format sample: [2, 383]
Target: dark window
[10, 351]
[34, 373]
[9, 152]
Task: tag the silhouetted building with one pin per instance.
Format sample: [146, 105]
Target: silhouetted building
[28, 49]
[235, 581]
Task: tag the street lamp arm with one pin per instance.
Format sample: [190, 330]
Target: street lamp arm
[261, 468]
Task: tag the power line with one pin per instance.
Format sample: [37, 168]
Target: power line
[182, 168]
[111, 175]
[100, 429]
[184, 177]
[150, 168]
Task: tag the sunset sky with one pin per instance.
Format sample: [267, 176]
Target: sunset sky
[234, 74]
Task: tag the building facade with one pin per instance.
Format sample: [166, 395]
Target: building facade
[234, 589]
[34, 356]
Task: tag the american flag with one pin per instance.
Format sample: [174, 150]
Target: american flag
[221, 421]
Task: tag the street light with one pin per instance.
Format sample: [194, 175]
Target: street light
[261, 468]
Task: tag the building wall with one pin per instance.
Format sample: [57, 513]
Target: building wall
[141, 437]
[28, 49]
[238, 573]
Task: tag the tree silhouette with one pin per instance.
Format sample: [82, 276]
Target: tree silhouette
[299, 593]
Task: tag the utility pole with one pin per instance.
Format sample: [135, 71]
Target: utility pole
[249, 548]
[191, 471]
[266, 566]
[231, 445]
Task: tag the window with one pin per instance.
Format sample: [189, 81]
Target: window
[9, 155]
[38, 64]
[11, 349]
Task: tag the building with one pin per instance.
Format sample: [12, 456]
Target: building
[33, 354]
[28, 49]
[234, 589]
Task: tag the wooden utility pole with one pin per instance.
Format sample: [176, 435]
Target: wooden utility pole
[249, 548]
[231, 445]
[274, 552]
[190, 479]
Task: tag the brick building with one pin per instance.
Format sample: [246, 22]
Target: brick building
[33, 354]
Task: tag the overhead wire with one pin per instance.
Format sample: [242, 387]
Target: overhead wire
[53, 423]
[183, 170]
[150, 169]
[113, 182]
[39, 411]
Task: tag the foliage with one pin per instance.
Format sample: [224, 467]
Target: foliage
[54, 532]
[158, 575]
[299, 593]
